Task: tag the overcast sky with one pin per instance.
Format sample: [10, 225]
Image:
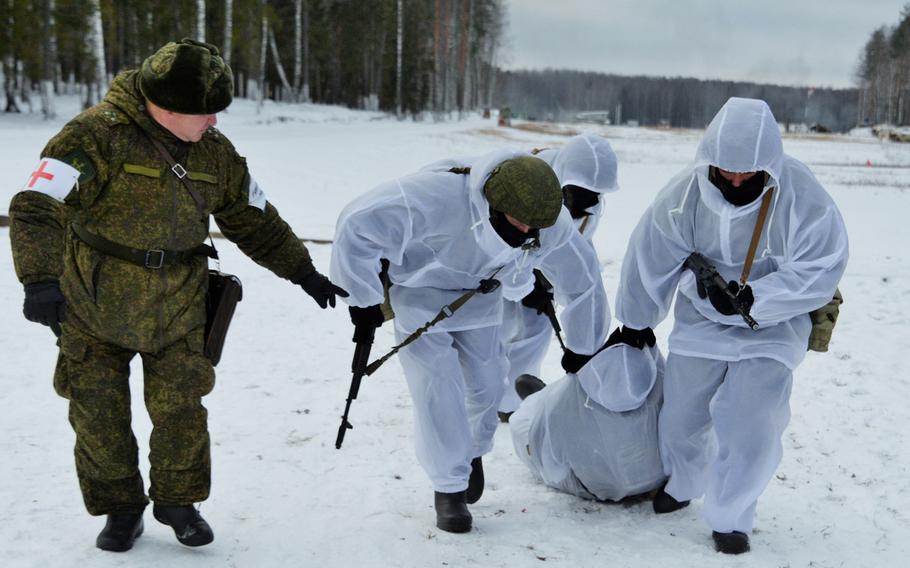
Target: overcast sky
[791, 42]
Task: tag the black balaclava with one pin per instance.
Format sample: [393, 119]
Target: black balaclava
[745, 194]
[578, 199]
[509, 232]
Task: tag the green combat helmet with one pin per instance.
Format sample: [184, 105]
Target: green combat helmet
[526, 189]
[187, 77]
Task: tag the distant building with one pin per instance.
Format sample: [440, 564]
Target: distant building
[594, 116]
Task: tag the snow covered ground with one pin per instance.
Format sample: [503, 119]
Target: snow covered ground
[283, 496]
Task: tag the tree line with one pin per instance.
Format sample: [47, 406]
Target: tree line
[404, 56]
[660, 101]
[884, 74]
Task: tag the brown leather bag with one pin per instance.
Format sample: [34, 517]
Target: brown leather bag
[224, 291]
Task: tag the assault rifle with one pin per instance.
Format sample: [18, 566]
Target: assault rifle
[550, 310]
[363, 338]
[707, 277]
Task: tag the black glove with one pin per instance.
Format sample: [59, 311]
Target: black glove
[540, 299]
[636, 338]
[488, 285]
[45, 304]
[368, 317]
[320, 288]
[722, 302]
[572, 362]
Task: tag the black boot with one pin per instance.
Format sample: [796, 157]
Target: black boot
[504, 416]
[665, 503]
[526, 385]
[120, 532]
[475, 482]
[452, 513]
[189, 526]
[731, 543]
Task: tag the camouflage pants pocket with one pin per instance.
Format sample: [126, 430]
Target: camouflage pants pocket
[72, 352]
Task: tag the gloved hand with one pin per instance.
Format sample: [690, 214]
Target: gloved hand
[45, 304]
[721, 301]
[636, 338]
[366, 317]
[540, 299]
[320, 288]
[488, 285]
[572, 362]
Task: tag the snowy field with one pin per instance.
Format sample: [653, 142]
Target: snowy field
[282, 495]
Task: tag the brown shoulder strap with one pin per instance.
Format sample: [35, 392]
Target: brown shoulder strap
[756, 236]
[180, 172]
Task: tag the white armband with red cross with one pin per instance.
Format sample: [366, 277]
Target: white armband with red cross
[52, 177]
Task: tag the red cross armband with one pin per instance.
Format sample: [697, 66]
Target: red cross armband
[52, 177]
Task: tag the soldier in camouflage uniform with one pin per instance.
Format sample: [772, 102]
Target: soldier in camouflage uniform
[140, 286]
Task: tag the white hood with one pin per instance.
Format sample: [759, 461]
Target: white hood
[620, 377]
[743, 137]
[587, 161]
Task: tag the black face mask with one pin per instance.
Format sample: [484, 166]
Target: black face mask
[509, 232]
[746, 193]
[578, 199]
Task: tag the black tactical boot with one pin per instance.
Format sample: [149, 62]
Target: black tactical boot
[526, 385]
[665, 503]
[731, 543]
[504, 416]
[120, 532]
[452, 513]
[189, 526]
[475, 482]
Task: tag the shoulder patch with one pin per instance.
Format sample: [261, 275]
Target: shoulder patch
[82, 163]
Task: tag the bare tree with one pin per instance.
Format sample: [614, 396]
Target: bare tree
[467, 48]
[277, 57]
[228, 30]
[49, 61]
[200, 20]
[96, 80]
[9, 59]
[399, 43]
[262, 55]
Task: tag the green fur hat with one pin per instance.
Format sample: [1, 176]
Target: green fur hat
[527, 189]
[188, 77]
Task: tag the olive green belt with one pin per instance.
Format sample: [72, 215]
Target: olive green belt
[150, 258]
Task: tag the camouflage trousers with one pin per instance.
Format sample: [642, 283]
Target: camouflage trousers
[94, 377]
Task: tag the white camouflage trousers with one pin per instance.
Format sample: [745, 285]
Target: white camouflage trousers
[720, 433]
[456, 382]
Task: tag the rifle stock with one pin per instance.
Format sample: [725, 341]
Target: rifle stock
[708, 277]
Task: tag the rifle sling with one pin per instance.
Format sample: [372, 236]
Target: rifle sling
[447, 311]
[756, 236]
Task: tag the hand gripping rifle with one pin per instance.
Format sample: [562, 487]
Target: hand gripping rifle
[708, 277]
[550, 310]
[363, 338]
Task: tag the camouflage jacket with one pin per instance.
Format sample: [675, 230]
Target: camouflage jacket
[126, 193]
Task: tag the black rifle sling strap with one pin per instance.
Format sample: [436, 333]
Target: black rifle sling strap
[181, 174]
[444, 313]
[756, 236]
